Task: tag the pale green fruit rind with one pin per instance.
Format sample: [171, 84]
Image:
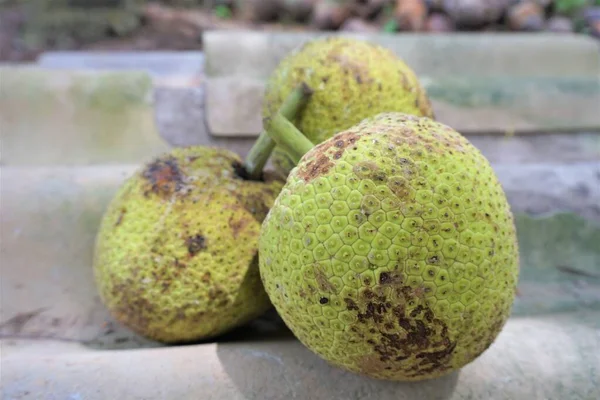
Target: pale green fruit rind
[391, 250]
[176, 254]
[351, 79]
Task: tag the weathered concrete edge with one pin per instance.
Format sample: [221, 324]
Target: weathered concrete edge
[554, 355]
[257, 53]
[469, 105]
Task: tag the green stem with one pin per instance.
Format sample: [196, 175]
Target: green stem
[290, 139]
[263, 147]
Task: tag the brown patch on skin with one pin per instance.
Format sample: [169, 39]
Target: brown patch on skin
[121, 215]
[369, 170]
[237, 226]
[315, 168]
[132, 309]
[400, 333]
[320, 163]
[164, 176]
[391, 278]
[254, 203]
[350, 304]
[323, 282]
[350, 65]
[195, 244]
[400, 187]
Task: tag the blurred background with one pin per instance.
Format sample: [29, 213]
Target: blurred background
[29, 27]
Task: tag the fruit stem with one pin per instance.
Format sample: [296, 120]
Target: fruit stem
[289, 138]
[263, 147]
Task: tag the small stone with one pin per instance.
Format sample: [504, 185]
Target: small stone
[330, 14]
[434, 5]
[260, 10]
[438, 22]
[475, 13]
[358, 25]
[544, 3]
[526, 16]
[298, 10]
[368, 9]
[410, 15]
[559, 24]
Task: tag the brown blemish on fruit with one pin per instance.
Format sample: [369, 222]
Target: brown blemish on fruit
[238, 225]
[350, 65]
[391, 278]
[131, 307]
[195, 244]
[350, 304]
[401, 334]
[315, 168]
[254, 203]
[323, 282]
[121, 215]
[165, 177]
[321, 163]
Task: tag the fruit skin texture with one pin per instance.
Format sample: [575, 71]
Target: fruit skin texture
[176, 254]
[351, 79]
[391, 250]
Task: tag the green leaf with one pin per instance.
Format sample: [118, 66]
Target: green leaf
[560, 264]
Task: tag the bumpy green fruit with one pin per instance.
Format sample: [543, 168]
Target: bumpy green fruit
[351, 80]
[391, 250]
[176, 254]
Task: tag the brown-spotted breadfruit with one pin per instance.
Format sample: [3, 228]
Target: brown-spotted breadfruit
[391, 250]
[351, 80]
[176, 253]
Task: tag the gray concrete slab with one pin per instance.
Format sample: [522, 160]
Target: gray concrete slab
[76, 117]
[167, 68]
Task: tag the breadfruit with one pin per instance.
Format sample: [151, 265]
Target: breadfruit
[391, 250]
[176, 253]
[351, 80]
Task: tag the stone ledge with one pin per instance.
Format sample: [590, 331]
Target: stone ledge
[528, 83]
[547, 357]
[85, 117]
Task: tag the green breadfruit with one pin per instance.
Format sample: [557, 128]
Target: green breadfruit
[176, 254]
[391, 250]
[351, 80]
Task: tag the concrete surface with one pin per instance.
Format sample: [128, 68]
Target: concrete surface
[167, 68]
[551, 358]
[86, 116]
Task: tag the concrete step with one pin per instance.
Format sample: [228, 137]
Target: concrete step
[76, 117]
[48, 237]
[477, 83]
[550, 357]
[97, 116]
[167, 68]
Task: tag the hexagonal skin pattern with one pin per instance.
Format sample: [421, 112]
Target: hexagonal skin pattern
[420, 297]
[175, 257]
[351, 80]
